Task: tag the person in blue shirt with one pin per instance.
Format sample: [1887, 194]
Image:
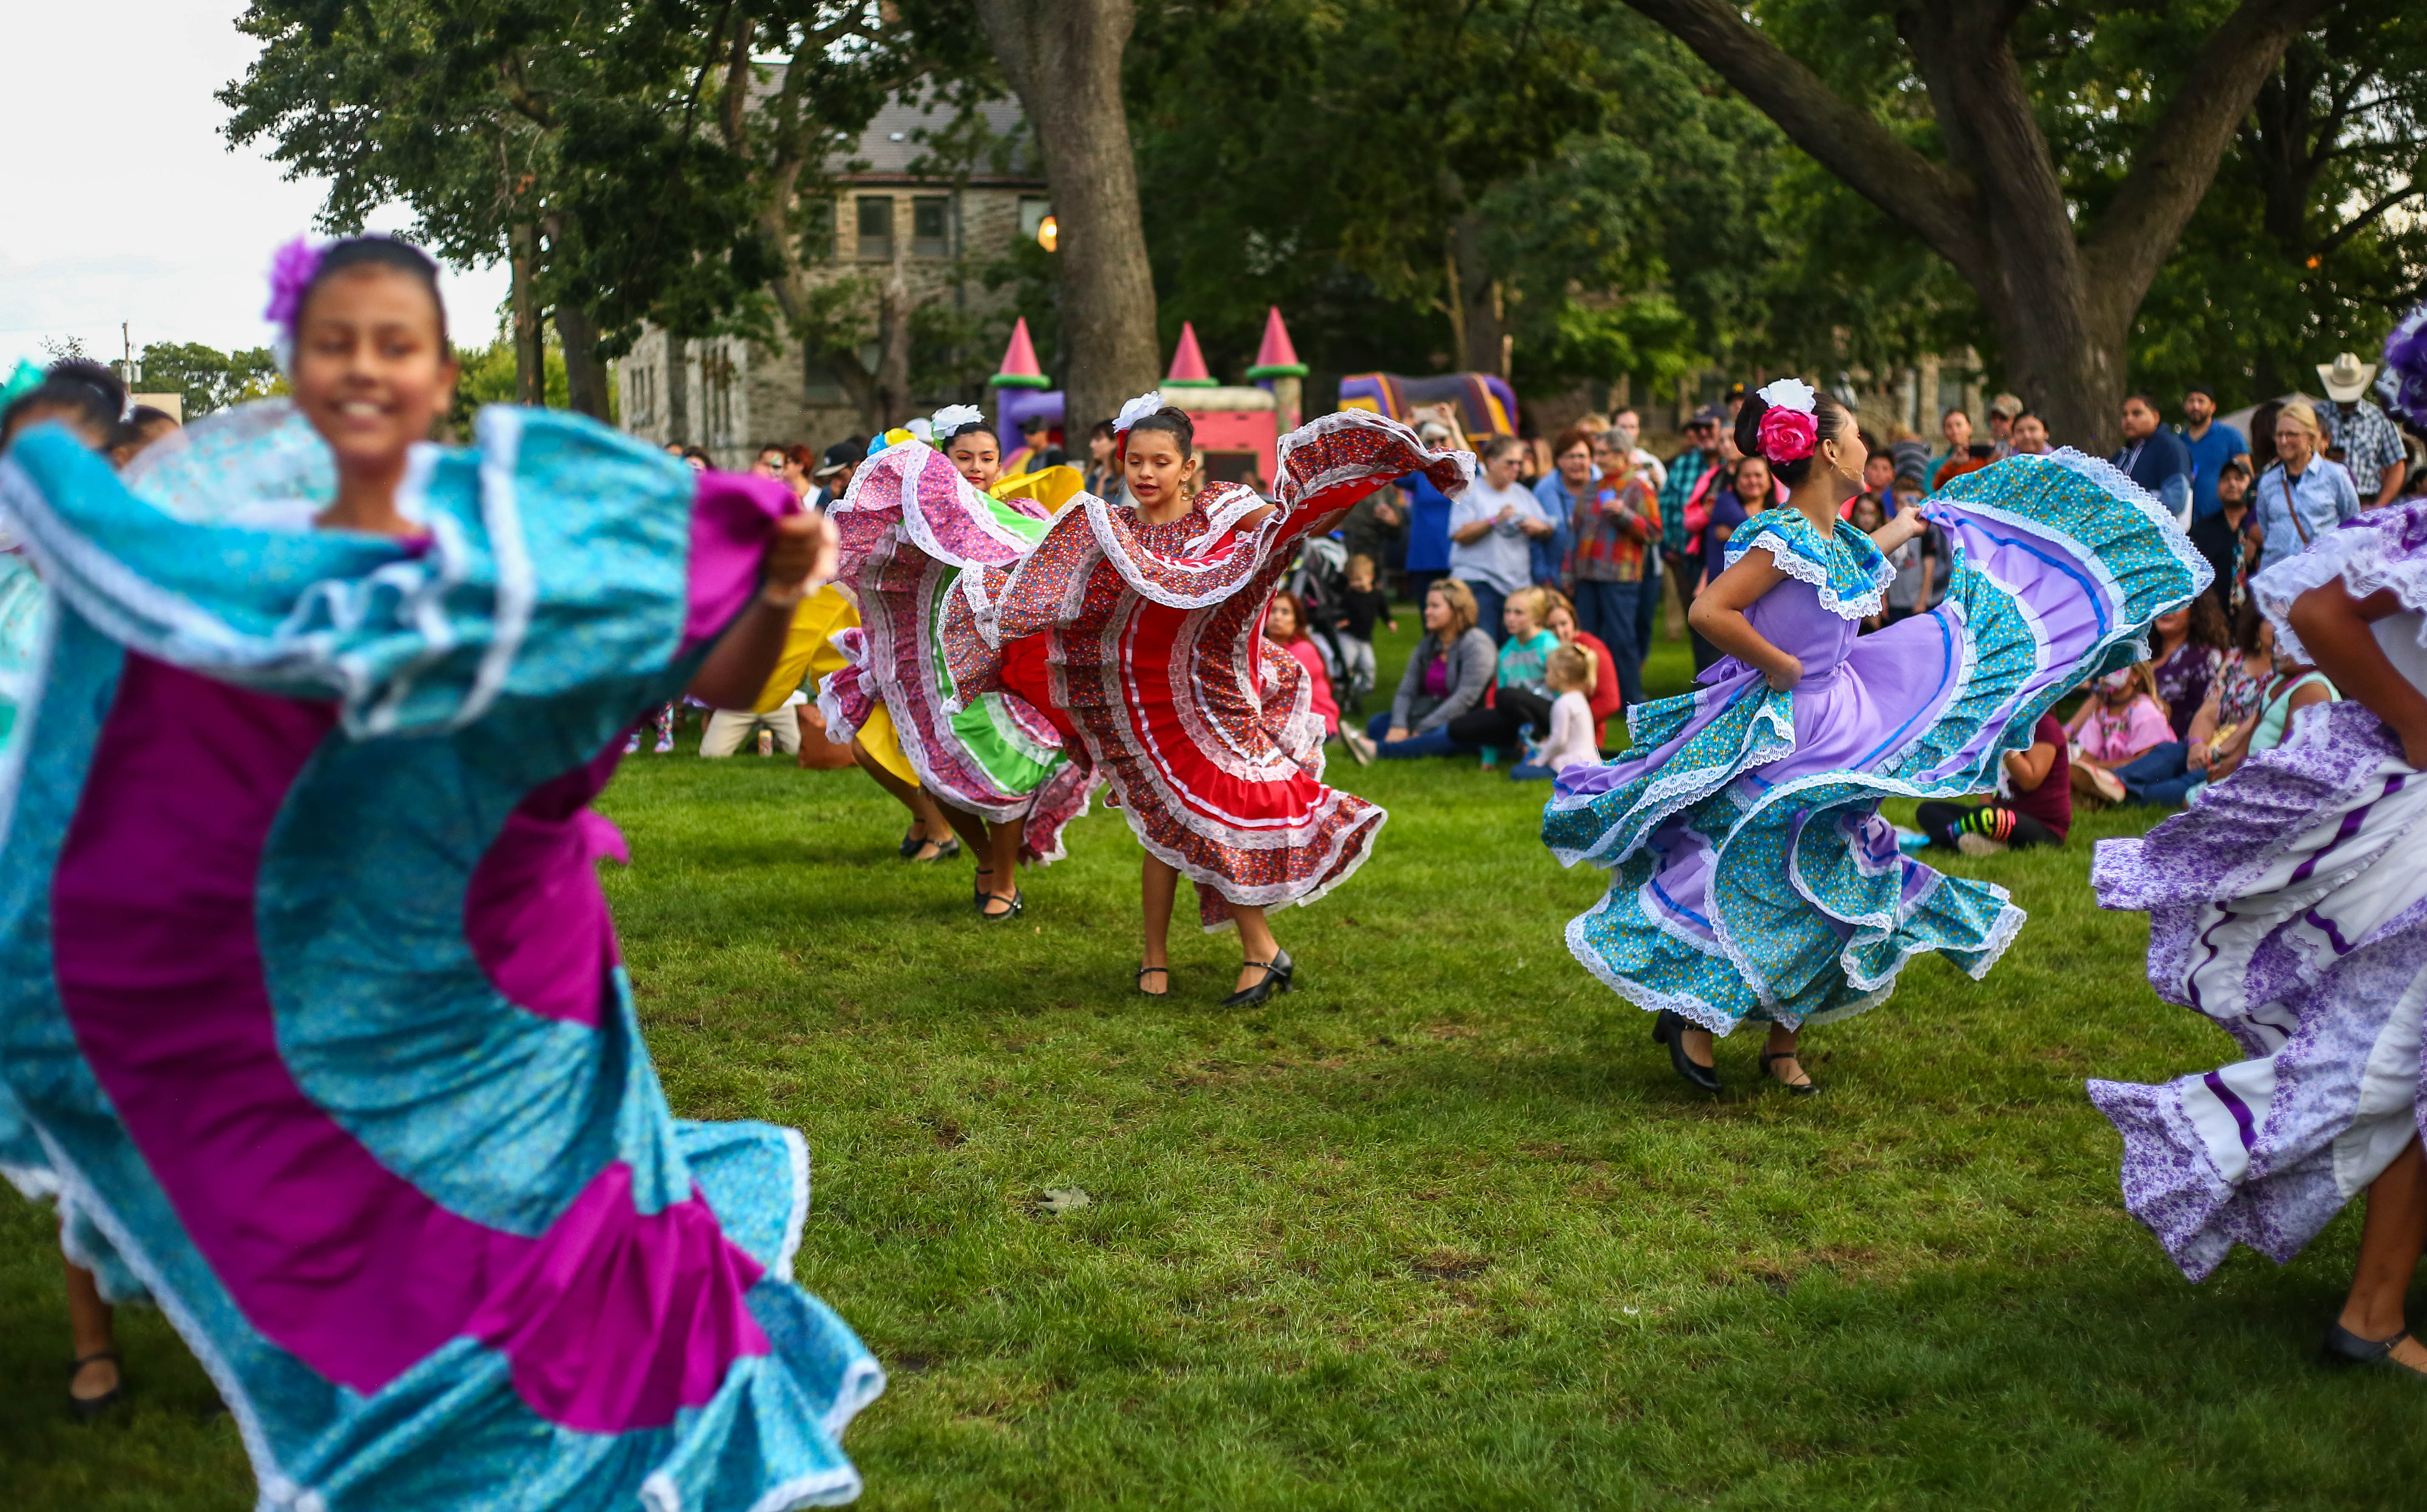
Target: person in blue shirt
[1547, 554]
[1572, 478]
[2303, 494]
[1429, 514]
[2211, 447]
[2154, 457]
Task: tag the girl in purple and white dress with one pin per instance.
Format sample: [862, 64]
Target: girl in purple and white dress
[2289, 906]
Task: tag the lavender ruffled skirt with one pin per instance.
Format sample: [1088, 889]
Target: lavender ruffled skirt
[2290, 907]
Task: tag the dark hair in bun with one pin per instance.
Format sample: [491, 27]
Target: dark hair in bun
[1176, 422]
[1833, 420]
[391, 253]
[85, 389]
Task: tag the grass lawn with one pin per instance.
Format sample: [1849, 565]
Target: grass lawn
[1439, 1231]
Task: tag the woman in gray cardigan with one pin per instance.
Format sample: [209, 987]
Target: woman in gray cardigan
[1448, 675]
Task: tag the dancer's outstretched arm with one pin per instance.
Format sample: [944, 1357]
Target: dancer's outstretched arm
[2334, 628]
[800, 557]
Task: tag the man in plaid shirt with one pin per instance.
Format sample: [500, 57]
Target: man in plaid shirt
[1701, 455]
[2357, 433]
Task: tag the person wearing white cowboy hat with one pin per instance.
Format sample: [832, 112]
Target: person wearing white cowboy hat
[2369, 445]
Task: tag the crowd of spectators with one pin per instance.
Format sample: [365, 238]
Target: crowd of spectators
[1548, 580]
[1574, 544]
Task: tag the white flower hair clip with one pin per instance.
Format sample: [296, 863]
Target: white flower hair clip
[1136, 410]
[952, 416]
[1790, 394]
[921, 430]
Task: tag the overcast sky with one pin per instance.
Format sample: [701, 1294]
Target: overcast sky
[122, 201]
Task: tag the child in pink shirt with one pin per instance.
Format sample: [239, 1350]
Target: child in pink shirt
[2122, 720]
[1285, 626]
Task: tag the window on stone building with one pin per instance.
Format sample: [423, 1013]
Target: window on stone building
[641, 399]
[931, 226]
[876, 227]
[820, 384]
[1032, 215]
[717, 378]
[818, 229]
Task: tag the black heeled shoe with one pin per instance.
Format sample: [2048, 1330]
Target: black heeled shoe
[945, 850]
[910, 840]
[1019, 905]
[1802, 1089]
[1668, 1028]
[2344, 1347]
[88, 1408]
[1276, 979]
[1145, 971]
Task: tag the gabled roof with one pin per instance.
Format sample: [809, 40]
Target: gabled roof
[898, 137]
[893, 142]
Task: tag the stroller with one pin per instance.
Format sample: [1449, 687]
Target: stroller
[1319, 580]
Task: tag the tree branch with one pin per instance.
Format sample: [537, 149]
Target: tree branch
[2177, 159]
[2367, 218]
[2338, 110]
[737, 85]
[1933, 202]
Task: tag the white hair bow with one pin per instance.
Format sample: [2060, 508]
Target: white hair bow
[1136, 410]
[952, 416]
[1790, 394]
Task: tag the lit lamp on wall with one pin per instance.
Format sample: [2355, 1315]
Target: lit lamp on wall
[1047, 234]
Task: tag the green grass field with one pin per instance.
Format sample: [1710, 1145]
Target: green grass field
[1439, 1231]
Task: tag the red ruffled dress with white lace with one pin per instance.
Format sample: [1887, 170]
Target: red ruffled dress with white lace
[1145, 641]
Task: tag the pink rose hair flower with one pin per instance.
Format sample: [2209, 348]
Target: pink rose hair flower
[290, 275]
[1787, 435]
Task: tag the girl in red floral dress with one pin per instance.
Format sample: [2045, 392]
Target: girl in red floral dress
[1138, 625]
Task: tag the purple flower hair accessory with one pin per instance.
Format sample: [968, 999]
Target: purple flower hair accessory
[2405, 383]
[290, 275]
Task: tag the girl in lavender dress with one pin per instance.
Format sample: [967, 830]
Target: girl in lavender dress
[1752, 876]
[2290, 906]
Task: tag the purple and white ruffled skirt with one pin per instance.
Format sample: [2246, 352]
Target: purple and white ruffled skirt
[2290, 907]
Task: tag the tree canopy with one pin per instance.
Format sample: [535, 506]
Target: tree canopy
[1579, 189]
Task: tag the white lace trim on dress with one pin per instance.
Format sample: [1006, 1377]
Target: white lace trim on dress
[1804, 569]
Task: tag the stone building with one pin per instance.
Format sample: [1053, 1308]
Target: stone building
[731, 395]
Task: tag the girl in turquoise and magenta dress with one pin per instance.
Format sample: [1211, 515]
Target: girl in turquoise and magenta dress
[309, 998]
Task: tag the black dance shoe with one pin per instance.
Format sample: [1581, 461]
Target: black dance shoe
[1276, 979]
[1805, 1088]
[2344, 1347]
[88, 1407]
[1670, 1029]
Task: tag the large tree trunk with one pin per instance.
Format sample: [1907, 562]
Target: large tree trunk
[1481, 326]
[530, 345]
[894, 307]
[2062, 302]
[585, 371]
[1063, 59]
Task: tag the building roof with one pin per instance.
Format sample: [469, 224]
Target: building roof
[895, 140]
[901, 134]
